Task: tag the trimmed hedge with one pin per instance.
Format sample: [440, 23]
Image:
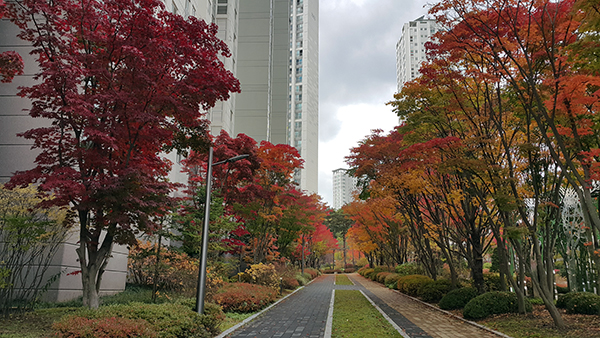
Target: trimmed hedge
[244, 297]
[563, 299]
[314, 273]
[381, 276]
[458, 298]
[585, 303]
[111, 327]
[169, 320]
[410, 284]
[495, 302]
[391, 280]
[434, 291]
[289, 283]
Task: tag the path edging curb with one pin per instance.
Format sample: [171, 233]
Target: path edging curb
[249, 319]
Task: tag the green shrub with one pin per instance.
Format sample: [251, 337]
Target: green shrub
[410, 284]
[373, 275]
[80, 327]
[407, 269]
[457, 299]
[536, 301]
[562, 289]
[301, 279]
[381, 276]
[170, 320]
[435, 290]
[495, 302]
[391, 280]
[584, 303]
[244, 297]
[492, 282]
[563, 299]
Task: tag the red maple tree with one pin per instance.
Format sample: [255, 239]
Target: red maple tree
[121, 81]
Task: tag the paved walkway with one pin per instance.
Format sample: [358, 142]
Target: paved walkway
[304, 314]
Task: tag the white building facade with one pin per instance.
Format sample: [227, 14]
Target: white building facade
[278, 69]
[410, 49]
[344, 187]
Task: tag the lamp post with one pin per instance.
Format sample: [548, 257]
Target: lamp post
[201, 289]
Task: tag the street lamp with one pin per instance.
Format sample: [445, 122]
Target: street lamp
[202, 278]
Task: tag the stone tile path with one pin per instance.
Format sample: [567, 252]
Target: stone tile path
[304, 314]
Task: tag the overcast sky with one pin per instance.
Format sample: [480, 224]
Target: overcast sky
[357, 75]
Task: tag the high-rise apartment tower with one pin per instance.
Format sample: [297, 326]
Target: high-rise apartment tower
[344, 186]
[410, 49]
[277, 65]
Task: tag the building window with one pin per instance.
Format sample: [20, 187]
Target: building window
[299, 44]
[222, 7]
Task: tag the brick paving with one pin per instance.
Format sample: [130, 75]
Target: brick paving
[435, 323]
[304, 314]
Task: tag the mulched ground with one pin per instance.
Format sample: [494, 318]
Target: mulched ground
[540, 324]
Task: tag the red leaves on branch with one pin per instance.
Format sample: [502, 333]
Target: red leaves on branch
[119, 81]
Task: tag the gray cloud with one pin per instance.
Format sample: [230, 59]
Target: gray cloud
[357, 66]
[357, 53]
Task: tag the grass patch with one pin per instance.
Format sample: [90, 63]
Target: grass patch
[36, 323]
[342, 280]
[232, 319]
[354, 316]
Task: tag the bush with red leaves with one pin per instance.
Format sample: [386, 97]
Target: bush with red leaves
[244, 297]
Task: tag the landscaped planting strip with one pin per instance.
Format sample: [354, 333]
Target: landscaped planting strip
[398, 328]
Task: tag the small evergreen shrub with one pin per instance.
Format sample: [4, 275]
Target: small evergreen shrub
[434, 291]
[410, 284]
[349, 270]
[391, 280]
[490, 303]
[536, 301]
[584, 303]
[381, 276]
[492, 281]
[407, 269]
[562, 289]
[563, 299]
[80, 327]
[244, 297]
[458, 298]
[331, 271]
